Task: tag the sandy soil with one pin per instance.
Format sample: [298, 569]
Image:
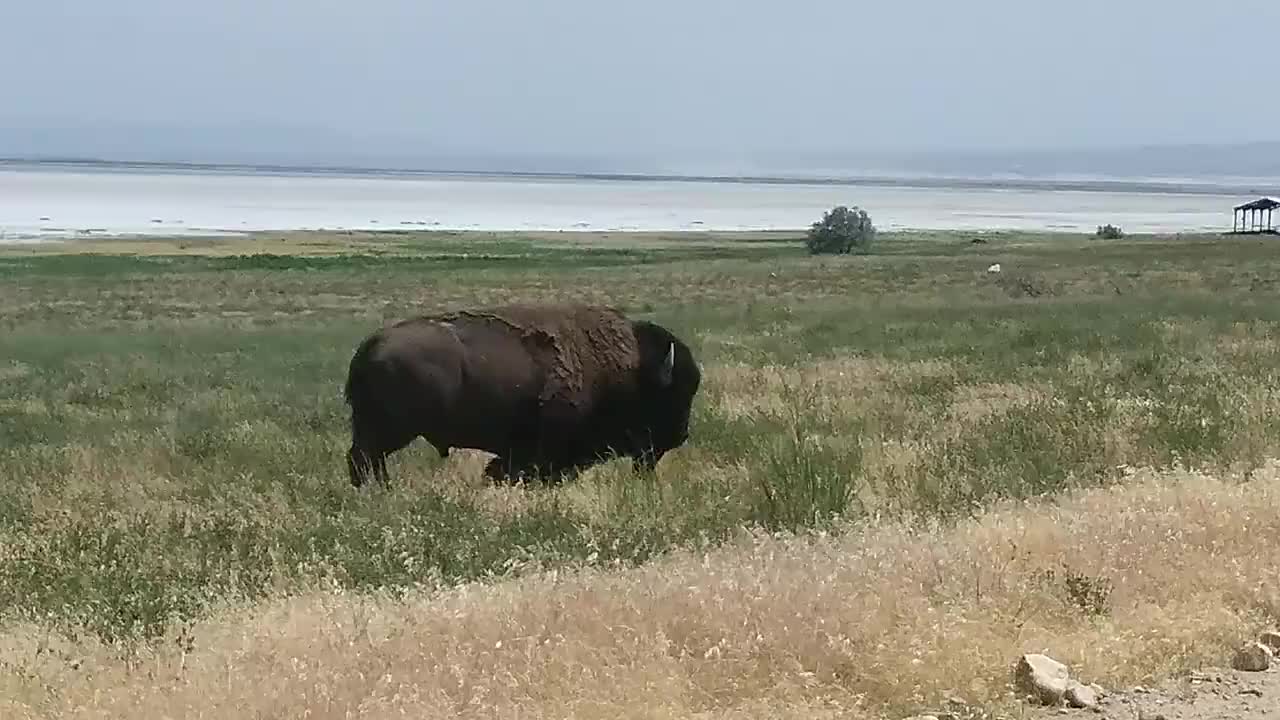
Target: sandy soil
[1209, 693]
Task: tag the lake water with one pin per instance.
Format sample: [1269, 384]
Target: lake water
[43, 204]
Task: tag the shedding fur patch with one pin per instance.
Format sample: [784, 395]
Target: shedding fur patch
[580, 348]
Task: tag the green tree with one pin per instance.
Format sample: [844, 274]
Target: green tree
[842, 230]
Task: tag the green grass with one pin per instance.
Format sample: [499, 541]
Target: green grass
[171, 426]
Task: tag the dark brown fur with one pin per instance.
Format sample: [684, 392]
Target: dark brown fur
[552, 387]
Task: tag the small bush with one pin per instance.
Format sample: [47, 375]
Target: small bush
[842, 230]
[1109, 232]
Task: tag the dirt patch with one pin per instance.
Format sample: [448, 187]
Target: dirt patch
[1210, 693]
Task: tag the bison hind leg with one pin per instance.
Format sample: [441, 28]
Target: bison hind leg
[646, 461]
[501, 471]
[380, 468]
[370, 445]
[505, 471]
[360, 463]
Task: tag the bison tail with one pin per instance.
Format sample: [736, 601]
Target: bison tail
[355, 391]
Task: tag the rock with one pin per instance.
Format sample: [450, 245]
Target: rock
[1252, 657]
[1271, 639]
[1043, 677]
[1200, 676]
[1081, 696]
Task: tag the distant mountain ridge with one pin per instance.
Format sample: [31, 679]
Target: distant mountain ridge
[1252, 159]
[1236, 167]
[1183, 187]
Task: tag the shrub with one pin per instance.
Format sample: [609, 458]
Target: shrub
[842, 230]
[1109, 232]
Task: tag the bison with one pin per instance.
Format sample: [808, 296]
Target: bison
[548, 389]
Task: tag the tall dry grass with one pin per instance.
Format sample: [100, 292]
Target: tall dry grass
[1162, 574]
[171, 432]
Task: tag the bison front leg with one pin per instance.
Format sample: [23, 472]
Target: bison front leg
[644, 456]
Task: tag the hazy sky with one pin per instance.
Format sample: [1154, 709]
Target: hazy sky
[650, 76]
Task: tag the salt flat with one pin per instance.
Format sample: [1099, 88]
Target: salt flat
[48, 204]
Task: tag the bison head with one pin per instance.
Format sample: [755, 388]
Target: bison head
[669, 379]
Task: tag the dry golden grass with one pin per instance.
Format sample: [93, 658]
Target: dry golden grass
[172, 436]
[885, 619]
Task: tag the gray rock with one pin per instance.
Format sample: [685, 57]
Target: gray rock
[1042, 677]
[1080, 696]
[1271, 639]
[1252, 657]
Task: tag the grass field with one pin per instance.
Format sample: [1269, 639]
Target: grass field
[177, 534]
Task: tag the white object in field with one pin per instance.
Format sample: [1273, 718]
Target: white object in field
[994, 268]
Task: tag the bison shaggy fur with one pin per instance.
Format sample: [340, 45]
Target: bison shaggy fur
[547, 389]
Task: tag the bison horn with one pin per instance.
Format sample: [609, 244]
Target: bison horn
[668, 365]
